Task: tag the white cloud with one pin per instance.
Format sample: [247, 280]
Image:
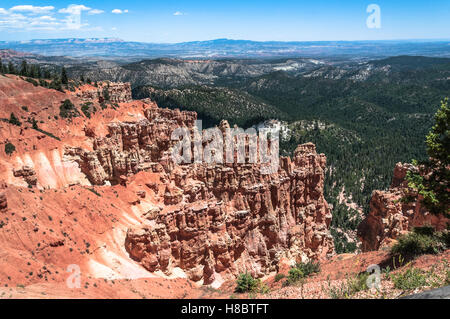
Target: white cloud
[179, 13]
[73, 19]
[119, 11]
[46, 18]
[95, 11]
[31, 9]
[74, 9]
[18, 21]
[28, 17]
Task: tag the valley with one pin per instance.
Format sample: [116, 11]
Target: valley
[375, 113]
[74, 133]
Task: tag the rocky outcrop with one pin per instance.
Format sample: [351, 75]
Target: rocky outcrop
[212, 221]
[390, 216]
[28, 174]
[230, 219]
[3, 201]
[117, 92]
[130, 147]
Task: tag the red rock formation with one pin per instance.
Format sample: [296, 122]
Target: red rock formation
[234, 218]
[390, 217]
[28, 174]
[211, 221]
[227, 220]
[130, 147]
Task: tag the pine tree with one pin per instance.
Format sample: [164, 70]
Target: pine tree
[433, 181]
[64, 79]
[35, 71]
[47, 74]
[106, 94]
[11, 68]
[24, 68]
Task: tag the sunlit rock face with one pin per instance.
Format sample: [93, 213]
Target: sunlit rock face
[390, 216]
[110, 179]
[220, 221]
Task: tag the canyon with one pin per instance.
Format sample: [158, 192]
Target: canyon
[102, 193]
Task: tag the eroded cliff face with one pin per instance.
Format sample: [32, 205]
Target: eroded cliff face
[130, 147]
[210, 222]
[220, 220]
[391, 217]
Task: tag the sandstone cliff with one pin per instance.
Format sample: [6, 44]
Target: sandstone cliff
[220, 221]
[390, 217]
[208, 222]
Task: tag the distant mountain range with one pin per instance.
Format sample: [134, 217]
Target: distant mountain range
[226, 48]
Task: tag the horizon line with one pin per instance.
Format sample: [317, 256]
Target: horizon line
[228, 39]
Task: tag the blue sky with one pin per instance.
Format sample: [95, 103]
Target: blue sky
[178, 21]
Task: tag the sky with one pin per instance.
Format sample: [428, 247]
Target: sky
[169, 21]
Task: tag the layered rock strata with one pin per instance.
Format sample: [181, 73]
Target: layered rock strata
[218, 221]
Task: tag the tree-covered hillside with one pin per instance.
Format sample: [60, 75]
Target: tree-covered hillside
[214, 104]
[365, 117]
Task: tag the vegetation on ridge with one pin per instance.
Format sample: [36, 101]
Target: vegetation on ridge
[432, 180]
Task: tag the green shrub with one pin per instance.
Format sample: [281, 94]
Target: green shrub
[358, 283]
[422, 240]
[300, 271]
[68, 110]
[34, 124]
[85, 108]
[411, 279]
[309, 268]
[424, 230]
[32, 81]
[246, 283]
[278, 277]
[56, 85]
[106, 94]
[14, 120]
[444, 237]
[294, 275]
[9, 148]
